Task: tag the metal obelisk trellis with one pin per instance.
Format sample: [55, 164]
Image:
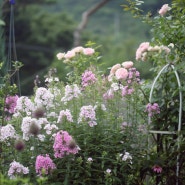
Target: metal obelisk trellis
[12, 55]
[179, 116]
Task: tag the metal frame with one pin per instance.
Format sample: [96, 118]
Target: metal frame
[180, 112]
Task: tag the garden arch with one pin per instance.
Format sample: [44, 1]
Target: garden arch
[166, 67]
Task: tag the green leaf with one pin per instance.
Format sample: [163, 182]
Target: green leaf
[2, 23]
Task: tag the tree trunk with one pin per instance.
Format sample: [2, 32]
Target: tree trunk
[83, 23]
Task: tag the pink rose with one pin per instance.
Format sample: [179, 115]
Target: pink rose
[69, 55]
[121, 73]
[164, 9]
[60, 56]
[88, 51]
[78, 49]
[127, 64]
[143, 47]
[114, 68]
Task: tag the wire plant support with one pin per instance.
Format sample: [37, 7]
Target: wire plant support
[167, 66]
[12, 55]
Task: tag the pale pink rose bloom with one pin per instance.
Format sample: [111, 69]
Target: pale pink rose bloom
[127, 64]
[166, 49]
[154, 48]
[114, 68]
[78, 49]
[142, 48]
[69, 55]
[164, 9]
[121, 74]
[88, 51]
[60, 56]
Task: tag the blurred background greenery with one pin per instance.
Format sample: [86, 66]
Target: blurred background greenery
[45, 27]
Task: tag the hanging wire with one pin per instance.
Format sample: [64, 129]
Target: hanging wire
[12, 55]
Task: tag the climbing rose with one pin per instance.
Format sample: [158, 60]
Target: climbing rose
[88, 51]
[164, 9]
[121, 74]
[140, 52]
[127, 64]
[114, 68]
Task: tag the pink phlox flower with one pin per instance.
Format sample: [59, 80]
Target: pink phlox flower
[17, 169]
[10, 103]
[71, 91]
[133, 76]
[92, 123]
[164, 9]
[127, 91]
[152, 109]
[50, 128]
[88, 78]
[44, 165]
[64, 144]
[87, 113]
[65, 114]
[157, 169]
[108, 95]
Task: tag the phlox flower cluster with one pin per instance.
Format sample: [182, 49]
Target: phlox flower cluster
[126, 157]
[133, 77]
[43, 97]
[7, 132]
[64, 144]
[71, 91]
[87, 113]
[152, 109]
[88, 78]
[50, 128]
[65, 114]
[10, 104]
[109, 94]
[44, 165]
[145, 48]
[27, 124]
[24, 105]
[17, 169]
[69, 55]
